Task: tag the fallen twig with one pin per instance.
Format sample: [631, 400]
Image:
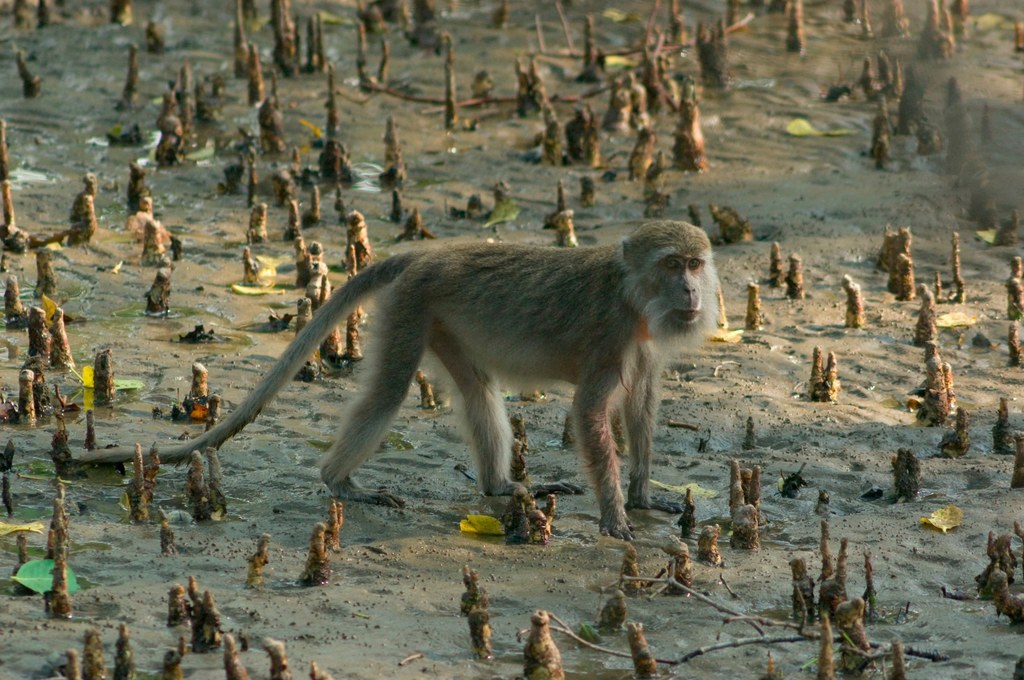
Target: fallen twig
[670, 581]
[564, 629]
[742, 642]
[409, 659]
[721, 579]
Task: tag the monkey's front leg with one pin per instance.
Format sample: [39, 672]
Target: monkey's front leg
[640, 410]
[597, 448]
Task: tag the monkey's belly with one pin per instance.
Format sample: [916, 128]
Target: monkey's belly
[515, 359]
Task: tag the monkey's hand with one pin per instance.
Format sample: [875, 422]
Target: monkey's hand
[350, 491]
[539, 490]
[663, 504]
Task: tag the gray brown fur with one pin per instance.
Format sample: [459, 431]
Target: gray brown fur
[594, 317]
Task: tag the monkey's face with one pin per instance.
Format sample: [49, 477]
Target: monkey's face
[672, 279]
[684, 293]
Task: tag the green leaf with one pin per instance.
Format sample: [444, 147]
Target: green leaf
[589, 633]
[505, 211]
[395, 440]
[128, 384]
[203, 154]
[37, 576]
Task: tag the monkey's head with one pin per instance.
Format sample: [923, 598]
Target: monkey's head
[671, 278]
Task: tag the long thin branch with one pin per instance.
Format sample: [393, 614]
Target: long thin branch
[756, 624]
[742, 642]
[565, 29]
[564, 629]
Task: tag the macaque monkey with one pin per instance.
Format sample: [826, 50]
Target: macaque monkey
[594, 317]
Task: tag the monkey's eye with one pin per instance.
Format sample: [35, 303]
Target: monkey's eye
[672, 263]
[694, 264]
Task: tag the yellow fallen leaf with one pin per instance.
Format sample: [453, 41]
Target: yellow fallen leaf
[990, 20]
[955, 320]
[485, 525]
[312, 127]
[987, 235]
[88, 380]
[335, 19]
[725, 335]
[620, 17]
[944, 519]
[239, 289]
[800, 127]
[267, 269]
[697, 490]
[116, 269]
[49, 307]
[616, 61]
[6, 528]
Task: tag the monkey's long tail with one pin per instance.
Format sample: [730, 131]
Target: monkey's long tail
[340, 304]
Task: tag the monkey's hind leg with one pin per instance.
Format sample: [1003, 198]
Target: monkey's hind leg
[368, 420]
[486, 422]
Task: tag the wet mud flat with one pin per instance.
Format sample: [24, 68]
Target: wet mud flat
[395, 586]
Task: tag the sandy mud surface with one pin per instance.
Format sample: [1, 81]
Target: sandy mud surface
[396, 583]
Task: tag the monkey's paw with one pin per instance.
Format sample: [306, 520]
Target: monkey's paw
[539, 490]
[618, 528]
[383, 497]
[662, 504]
[350, 491]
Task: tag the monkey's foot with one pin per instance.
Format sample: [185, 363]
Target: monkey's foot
[662, 504]
[617, 528]
[350, 491]
[539, 490]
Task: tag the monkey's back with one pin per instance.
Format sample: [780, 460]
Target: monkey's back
[523, 309]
